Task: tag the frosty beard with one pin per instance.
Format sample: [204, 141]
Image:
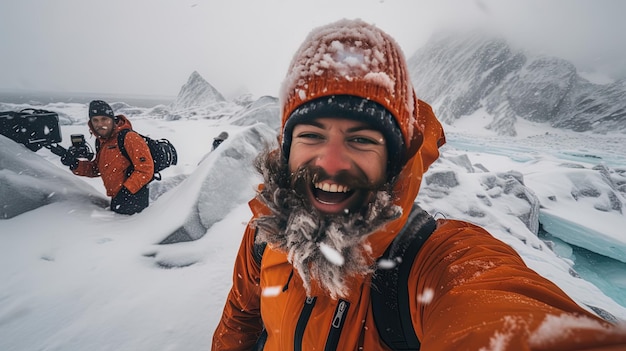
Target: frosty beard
[323, 248]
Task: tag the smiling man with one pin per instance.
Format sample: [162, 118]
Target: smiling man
[125, 178]
[355, 144]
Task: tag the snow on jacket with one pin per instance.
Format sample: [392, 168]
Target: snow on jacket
[469, 291]
[111, 164]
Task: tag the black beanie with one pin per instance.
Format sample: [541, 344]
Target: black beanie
[100, 108]
[355, 108]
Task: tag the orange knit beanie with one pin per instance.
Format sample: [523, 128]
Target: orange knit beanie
[353, 58]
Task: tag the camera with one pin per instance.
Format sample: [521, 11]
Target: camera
[36, 129]
[78, 140]
[80, 148]
[31, 127]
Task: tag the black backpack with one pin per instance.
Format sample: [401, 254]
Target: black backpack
[162, 151]
[389, 292]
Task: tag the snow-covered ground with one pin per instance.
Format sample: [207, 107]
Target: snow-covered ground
[76, 276]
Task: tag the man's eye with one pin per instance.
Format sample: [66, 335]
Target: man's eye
[309, 136]
[364, 140]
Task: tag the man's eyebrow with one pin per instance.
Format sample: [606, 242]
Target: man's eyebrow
[363, 126]
[313, 123]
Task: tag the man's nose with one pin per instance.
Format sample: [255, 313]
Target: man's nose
[333, 157]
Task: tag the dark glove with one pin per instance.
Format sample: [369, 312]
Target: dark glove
[70, 159]
[123, 197]
[124, 192]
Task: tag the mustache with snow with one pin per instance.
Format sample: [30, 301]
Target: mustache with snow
[326, 249]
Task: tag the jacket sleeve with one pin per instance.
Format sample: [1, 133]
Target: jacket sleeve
[475, 292]
[143, 165]
[241, 325]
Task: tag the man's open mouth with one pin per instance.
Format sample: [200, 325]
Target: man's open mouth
[341, 194]
[331, 194]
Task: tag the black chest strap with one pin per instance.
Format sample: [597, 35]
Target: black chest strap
[390, 292]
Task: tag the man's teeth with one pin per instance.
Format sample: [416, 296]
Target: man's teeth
[332, 188]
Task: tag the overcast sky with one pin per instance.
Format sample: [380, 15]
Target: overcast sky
[150, 47]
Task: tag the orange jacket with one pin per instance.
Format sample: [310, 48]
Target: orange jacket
[469, 291]
[111, 165]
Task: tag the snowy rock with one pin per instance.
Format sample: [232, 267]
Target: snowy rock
[264, 110]
[224, 179]
[591, 199]
[160, 111]
[445, 179]
[514, 185]
[30, 182]
[463, 161]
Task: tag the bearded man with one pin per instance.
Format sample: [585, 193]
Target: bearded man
[125, 178]
[355, 143]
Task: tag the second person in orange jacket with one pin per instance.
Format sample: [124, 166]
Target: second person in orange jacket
[125, 180]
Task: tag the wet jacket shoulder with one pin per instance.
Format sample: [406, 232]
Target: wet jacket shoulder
[111, 164]
[472, 291]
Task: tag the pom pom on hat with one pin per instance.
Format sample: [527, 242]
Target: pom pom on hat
[100, 108]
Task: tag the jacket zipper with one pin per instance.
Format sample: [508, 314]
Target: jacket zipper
[337, 325]
[309, 303]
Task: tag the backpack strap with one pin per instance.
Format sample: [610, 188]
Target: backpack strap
[257, 254]
[389, 292]
[258, 249]
[120, 143]
[121, 135]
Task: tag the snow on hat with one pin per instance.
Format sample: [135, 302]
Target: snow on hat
[100, 108]
[353, 58]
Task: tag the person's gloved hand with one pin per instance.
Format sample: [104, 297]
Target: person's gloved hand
[69, 158]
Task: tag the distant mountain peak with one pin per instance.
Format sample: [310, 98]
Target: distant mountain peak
[197, 92]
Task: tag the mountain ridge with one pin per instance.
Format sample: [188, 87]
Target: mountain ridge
[459, 74]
